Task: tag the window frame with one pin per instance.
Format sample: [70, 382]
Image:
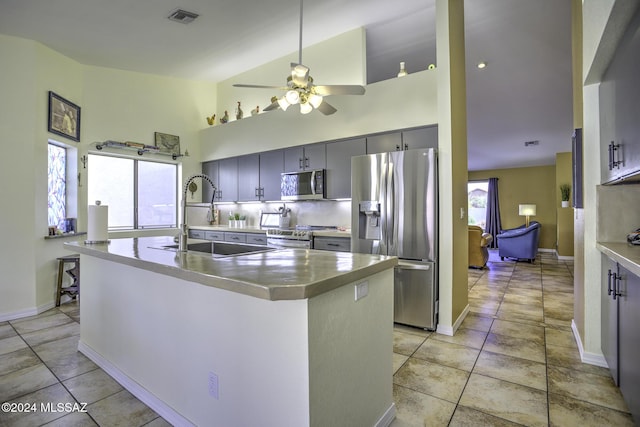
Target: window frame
[136, 221]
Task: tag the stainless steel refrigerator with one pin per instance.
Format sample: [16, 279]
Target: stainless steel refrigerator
[394, 211]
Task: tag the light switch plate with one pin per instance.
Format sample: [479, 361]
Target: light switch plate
[362, 290]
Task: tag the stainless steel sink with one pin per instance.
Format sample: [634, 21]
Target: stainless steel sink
[219, 249]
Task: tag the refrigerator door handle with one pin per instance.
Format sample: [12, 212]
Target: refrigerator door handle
[383, 209]
[391, 211]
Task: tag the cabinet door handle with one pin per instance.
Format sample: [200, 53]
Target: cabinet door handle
[300, 163]
[306, 162]
[616, 281]
[613, 162]
[609, 274]
[406, 146]
[397, 147]
[333, 244]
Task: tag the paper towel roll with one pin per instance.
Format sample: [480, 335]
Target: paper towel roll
[97, 230]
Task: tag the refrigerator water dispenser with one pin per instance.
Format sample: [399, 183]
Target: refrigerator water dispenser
[370, 220]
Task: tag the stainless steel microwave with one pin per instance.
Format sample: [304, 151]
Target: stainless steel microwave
[303, 185]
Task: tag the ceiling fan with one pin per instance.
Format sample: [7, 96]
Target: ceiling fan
[300, 88]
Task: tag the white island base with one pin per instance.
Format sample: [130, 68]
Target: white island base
[204, 356]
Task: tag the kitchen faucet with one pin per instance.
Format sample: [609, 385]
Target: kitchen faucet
[182, 237]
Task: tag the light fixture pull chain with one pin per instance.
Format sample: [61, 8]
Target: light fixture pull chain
[300, 40]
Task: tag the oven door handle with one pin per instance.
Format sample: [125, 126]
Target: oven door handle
[288, 244]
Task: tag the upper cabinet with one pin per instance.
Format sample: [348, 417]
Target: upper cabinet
[211, 170]
[338, 179]
[619, 106]
[228, 180]
[249, 177]
[384, 143]
[308, 157]
[426, 137]
[420, 138]
[271, 166]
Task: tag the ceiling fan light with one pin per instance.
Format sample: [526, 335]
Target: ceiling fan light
[305, 108]
[282, 102]
[315, 100]
[292, 97]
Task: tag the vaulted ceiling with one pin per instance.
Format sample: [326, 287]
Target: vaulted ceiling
[524, 93]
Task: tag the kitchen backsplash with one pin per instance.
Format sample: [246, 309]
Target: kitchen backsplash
[325, 212]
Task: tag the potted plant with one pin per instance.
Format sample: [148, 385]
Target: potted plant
[232, 219]
[565, 193]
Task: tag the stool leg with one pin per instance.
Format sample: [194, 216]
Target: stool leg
[59, 287]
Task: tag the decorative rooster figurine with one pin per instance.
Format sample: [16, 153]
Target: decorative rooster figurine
[255, 111]
[211, 120]
[225, 118]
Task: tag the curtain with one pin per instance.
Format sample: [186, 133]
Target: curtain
[493, 223]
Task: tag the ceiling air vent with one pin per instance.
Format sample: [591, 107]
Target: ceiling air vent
[528, 143]
[182, 16]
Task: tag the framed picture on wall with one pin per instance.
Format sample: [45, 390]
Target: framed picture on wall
[64, 117]
[166, 143]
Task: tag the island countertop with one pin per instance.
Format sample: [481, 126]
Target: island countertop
[282, 274]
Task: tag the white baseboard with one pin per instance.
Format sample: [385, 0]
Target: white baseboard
[164, 410]
[388, 417]
[5, 317]
[450, 330]
[589, 358]
[563, 257]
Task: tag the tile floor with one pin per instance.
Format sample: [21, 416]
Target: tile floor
[512, 362]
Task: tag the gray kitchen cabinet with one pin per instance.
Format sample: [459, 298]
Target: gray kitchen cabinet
[619, 106]
[384, 143]
[620, 333]
[196, 234]
[211, 170]
[338, 178]
[256, 239]
[235, 237]
[271, 166]
[336, 244]
[214, 235]
[307, 157]
[249, 178]
[228, 180]
[426, 137]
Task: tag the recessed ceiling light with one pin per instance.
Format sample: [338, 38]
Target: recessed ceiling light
[482, 64]
[528, 143]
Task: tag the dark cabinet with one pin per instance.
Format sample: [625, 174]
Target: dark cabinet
[425, 137]
[420, 138]
[249, 178]
[228, 180]
[211, 170]
[338, 178]
[335, 244]
[308, 157]
[384, 143]
[619, 106]
[620, 334]
[271, 166]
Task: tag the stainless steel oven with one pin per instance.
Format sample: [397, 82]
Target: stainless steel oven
[283, 239]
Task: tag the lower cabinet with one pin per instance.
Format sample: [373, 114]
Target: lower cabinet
[229, 236]
[620, 332]
[336, 244]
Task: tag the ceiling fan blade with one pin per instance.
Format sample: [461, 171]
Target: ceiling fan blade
[339, 90]
[326, 108]
[261, 86]
[273, 106]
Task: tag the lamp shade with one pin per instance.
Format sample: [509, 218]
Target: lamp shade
[527, 210]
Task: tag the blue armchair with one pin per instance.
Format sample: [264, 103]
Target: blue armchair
[519, 243]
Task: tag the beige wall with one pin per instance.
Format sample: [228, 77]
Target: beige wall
[516, 186]
[564, 215]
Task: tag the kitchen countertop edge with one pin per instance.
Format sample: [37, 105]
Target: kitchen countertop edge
[313, 284]
[624, 253]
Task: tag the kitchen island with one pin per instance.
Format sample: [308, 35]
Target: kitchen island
[286, 337]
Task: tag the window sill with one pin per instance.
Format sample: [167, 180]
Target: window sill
[63, 235]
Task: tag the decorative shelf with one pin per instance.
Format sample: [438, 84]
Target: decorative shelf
[137, 147]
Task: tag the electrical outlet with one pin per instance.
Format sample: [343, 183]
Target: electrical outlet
[213, 385]
[362, 290]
